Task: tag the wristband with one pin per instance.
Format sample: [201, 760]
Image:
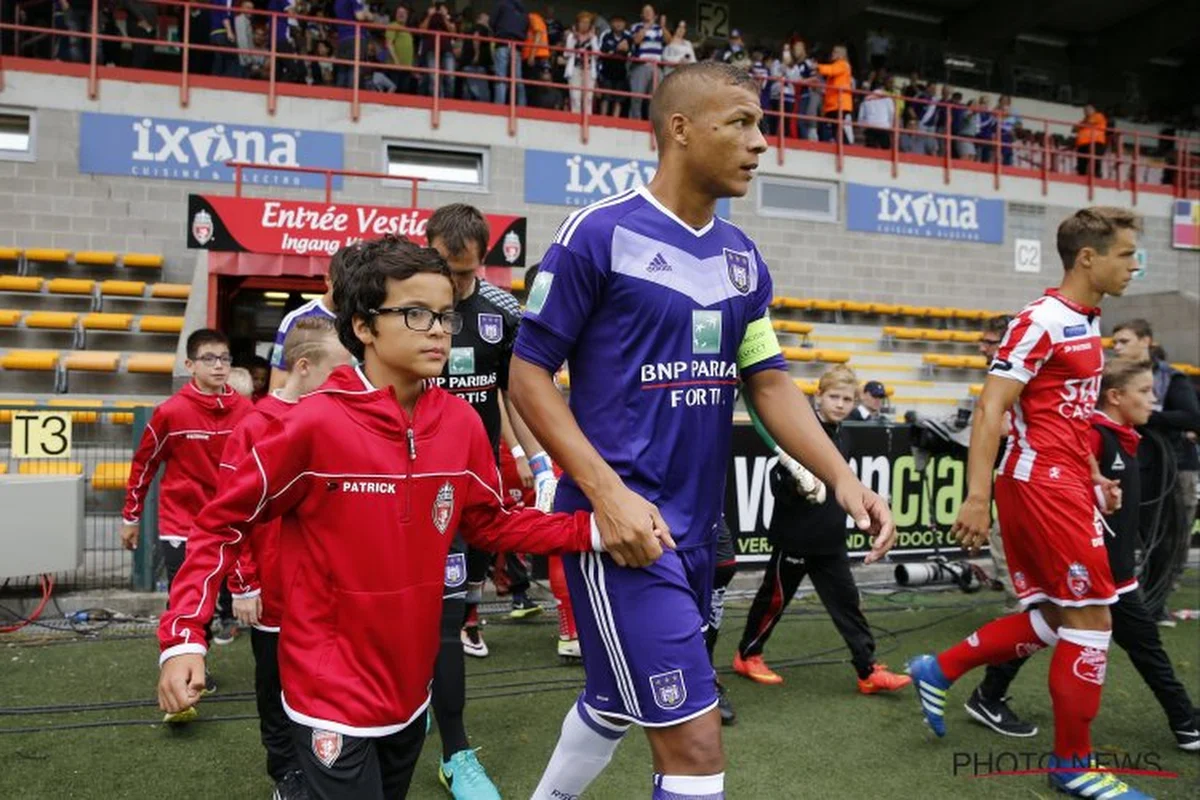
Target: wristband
[518, 451]
[540, 463]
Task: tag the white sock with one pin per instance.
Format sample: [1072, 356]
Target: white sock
[689, 787]
[584, 748]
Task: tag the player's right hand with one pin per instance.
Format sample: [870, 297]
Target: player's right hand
[631, 528]
[181, 682]
[247, 611]
[129, 535]
[973, 524]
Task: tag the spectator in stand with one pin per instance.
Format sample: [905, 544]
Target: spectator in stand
[839, 102]
[870, 405]
[963, 126]
[761, 73]
[258, 63]
[509, 22]
[243, 34]
[437, 22]
[583, 46]
[536, 54]
[877, 116]
[879, 43]
[913, 141]
[348, 11]
[73, 16]
[736, 54]
[477, 59]
[221, 35]
[374, 75]
[988, 129]
[679, 51]
[1091, 137]
[617, 44]
[401, 49]
[784, 74]
[650, 37]
[141, 20]
[808, 99]
[1009, 124]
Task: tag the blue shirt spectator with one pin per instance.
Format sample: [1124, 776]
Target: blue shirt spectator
[651, 46]
[347, 10]
[510, 20]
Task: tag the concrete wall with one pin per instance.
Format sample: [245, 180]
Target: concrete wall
[49, 203]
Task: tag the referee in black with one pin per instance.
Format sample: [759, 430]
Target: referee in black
[477, 371]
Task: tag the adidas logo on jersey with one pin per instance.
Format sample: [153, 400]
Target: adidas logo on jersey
[658, 264]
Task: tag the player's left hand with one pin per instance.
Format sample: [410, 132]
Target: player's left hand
[1108, 493]
[870, 513]
[247, 611]
[524, 472]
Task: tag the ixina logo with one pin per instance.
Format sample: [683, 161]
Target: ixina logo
[899, 207]
[168, 142]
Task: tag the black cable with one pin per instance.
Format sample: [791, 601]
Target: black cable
[75, 726]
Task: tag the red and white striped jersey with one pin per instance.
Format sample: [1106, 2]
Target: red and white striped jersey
[1053, 347]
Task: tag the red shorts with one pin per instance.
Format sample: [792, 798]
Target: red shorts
[1054, 542]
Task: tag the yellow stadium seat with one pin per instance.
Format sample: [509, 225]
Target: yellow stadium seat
[151, 363]
[78, 416]
[98, 257]
[30, 360]
[126, 417]
[10, 253]
[832, 356]
[1106, 342]
[156, 324]
[966, 337]
[143, 260]
[938, 359]
[855, 307]
[71, 286]
[885, 308]
[111, 476]
[940, 313]
[932, 335]
[9, 317]
[170, 291]
[92, 361]
[47, 254]
[975, 362]
[1187, 369]
[107, 322]
[806, 386]
[517, 285]
[798, 354]
[827, 305]
[7, 407]
[914, 311]
[50, 468]
[3, 468]
[790, 326]
[909, 334]
[21, 283]
[975, 389]
[971, 314]
[57, 320]
[794, 303]
[113, 288]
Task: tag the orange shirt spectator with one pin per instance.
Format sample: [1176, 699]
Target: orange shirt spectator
[537, 41]
[1092, 129]
[837, 76]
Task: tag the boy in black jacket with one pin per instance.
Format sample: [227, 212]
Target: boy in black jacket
[1126, 401]
[809, 538]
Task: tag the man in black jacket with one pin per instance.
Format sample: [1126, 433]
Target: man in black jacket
[509, 21]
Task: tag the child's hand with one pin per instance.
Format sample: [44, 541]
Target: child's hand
[181, 682]
[129, 535]
[248, 611]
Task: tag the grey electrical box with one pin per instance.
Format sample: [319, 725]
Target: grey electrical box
[41, 524]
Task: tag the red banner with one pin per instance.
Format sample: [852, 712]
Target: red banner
[299, 228]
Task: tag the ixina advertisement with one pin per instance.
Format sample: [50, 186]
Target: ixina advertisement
[299, 228]
[925, 497]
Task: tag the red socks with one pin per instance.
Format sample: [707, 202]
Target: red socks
[1001, 640]
[1076, 681]
[558, 585]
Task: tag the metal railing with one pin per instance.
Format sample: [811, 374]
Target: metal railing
[1038, 148]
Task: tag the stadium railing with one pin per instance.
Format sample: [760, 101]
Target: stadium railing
[1041, 149]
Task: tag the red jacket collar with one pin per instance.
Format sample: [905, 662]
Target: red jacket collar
[1090, 311]
[217, 403]
[378, 409]
[1126, 435]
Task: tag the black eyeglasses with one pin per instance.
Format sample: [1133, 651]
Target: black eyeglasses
[422, 319]
[991, 342]
[211, 359]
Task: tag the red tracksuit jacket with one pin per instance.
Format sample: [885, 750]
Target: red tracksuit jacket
[188, 431]
[370, 499]
[256, 568]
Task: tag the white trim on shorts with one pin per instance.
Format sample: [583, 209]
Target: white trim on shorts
[1042, 597]
[669, 724]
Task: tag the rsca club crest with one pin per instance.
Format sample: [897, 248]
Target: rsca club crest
[511, 247]
[491, 328]
[443, 507]
[1078, 580]
[738, 266]
[669, 690]
[456, 570]
[202, 228]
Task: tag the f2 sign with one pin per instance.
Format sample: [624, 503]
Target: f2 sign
[1027, 255]
[712, 20]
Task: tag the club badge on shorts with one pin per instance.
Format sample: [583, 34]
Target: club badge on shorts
[326, 746]
[456, 570]
[669, 690]
[1078, 580]
[738, 265]
[443, 507]
[491, 328]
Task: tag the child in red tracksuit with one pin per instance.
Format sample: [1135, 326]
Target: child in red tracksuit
[371, 474]
[311, 351]
[186, 434]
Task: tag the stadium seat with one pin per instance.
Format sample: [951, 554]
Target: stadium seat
[10, 253]
[3, 468]
[71, 286]
[789, 326]
[170, 291]
[907, 334]
[1190, 370]
[966, 337]
[110, 476]
[798, 354]
[832, 356]
[795, 303]
[151, 363]
[126, 417]
[855, 307]
[107, 322]
[50, 468]
[30, 360]
[47, 254]
[806, 386]
[21, 283]
[7, 407]
[971, 314]
[975, 362]
[9, 317]
[143, 260]
[157, 324]
[827, 305]
[939, 313]
[885, 308]
[78, 416]
[1106, 342]
[101, 258]
[517, 285]
[914, 311]
[114, 288]
[975, 389]
[56, 320]
[92, 361]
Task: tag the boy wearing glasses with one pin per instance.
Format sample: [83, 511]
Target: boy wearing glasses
[371, 475]
[187, 434]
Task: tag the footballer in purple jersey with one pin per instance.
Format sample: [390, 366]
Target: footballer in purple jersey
[660, 310]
